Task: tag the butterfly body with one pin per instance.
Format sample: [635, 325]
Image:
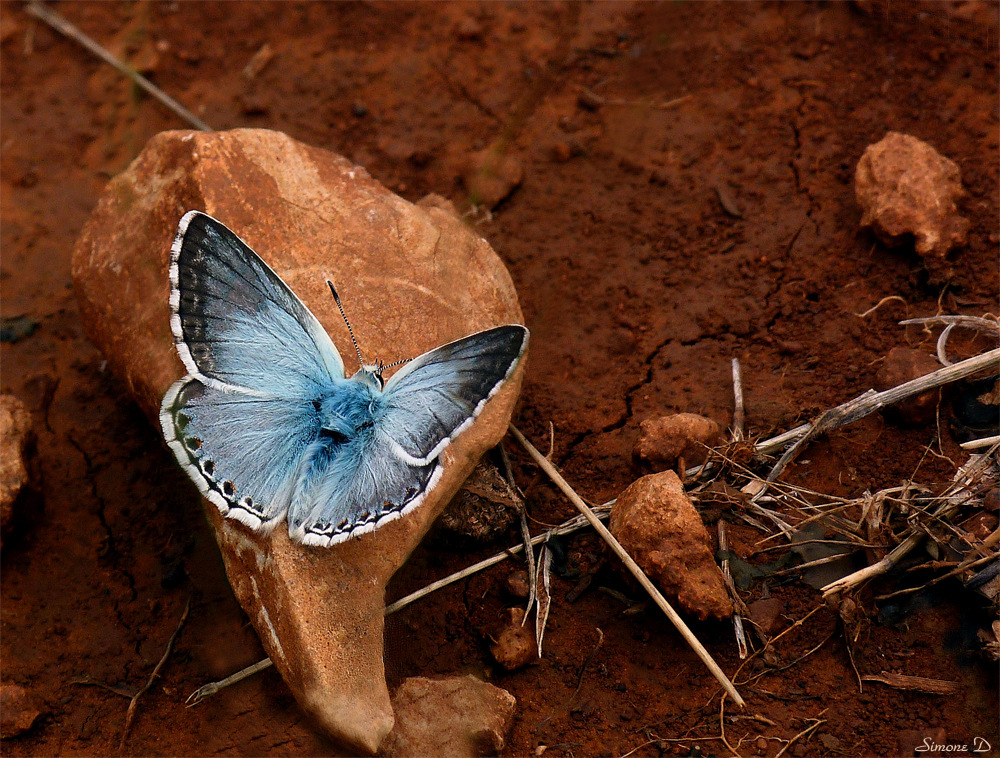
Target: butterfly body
[267, 425]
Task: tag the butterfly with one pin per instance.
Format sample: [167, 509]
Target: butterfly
[267, 424]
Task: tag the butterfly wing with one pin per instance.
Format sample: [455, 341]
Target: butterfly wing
[241, 450]
[258, 363]
[388, 469]
[237, 326]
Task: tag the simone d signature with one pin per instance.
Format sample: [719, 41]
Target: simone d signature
[979, 745]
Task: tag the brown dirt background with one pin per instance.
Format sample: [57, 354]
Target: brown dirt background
[638, 287]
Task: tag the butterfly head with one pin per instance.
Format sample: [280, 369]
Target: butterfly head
[371, 374]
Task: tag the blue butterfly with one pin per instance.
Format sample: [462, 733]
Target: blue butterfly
[268, 426]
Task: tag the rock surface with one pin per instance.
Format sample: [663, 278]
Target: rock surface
[513, 642]
[903, 364]
[410, 278]
[17, 438]
[457, 717]
[905, 187]
[667, 440]
[657, 524]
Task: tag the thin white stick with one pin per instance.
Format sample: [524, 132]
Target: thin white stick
[980, 443]
[64, 27]
[632, 566]
[739, 414]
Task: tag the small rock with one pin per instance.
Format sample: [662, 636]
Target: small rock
[514, 643]
[831, 743]
[589, 100]
[469, 29]
[319, 612]
[657, 524]
[484, 508]
[903, 364]
[17, 442]
[517, 583]
[491, 175]
[359, 110]
[665, 440]
[906, 188]
[766, 612]
[19, 710]
[455, 717]
[439, 202]
[561, 152]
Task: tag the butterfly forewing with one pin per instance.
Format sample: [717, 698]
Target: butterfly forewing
[236, 323]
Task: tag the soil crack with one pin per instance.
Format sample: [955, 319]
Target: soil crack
[109, 549]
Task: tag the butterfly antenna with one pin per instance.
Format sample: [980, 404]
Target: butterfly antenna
[398, 363]
[350, 331]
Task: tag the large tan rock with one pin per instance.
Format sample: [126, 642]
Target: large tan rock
[657, 524]
[410, 278]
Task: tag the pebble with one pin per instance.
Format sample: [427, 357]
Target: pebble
[17, 440]
[514, 644]
[457, 717]
[907, 190]
[665, 440]
[517, 583]
[656, 522]
[490, 175]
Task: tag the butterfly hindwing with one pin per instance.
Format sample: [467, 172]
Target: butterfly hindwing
[236, 323]
[239, 449]
[387, 471]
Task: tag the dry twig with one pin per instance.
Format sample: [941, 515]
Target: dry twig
[134, 704]
[914, 683]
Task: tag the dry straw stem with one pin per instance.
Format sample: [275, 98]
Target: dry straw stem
[915, 683]
[632, 566]
[739, 412]
[739, 607]
[966, 565]
[868, 403]
[64, 27]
